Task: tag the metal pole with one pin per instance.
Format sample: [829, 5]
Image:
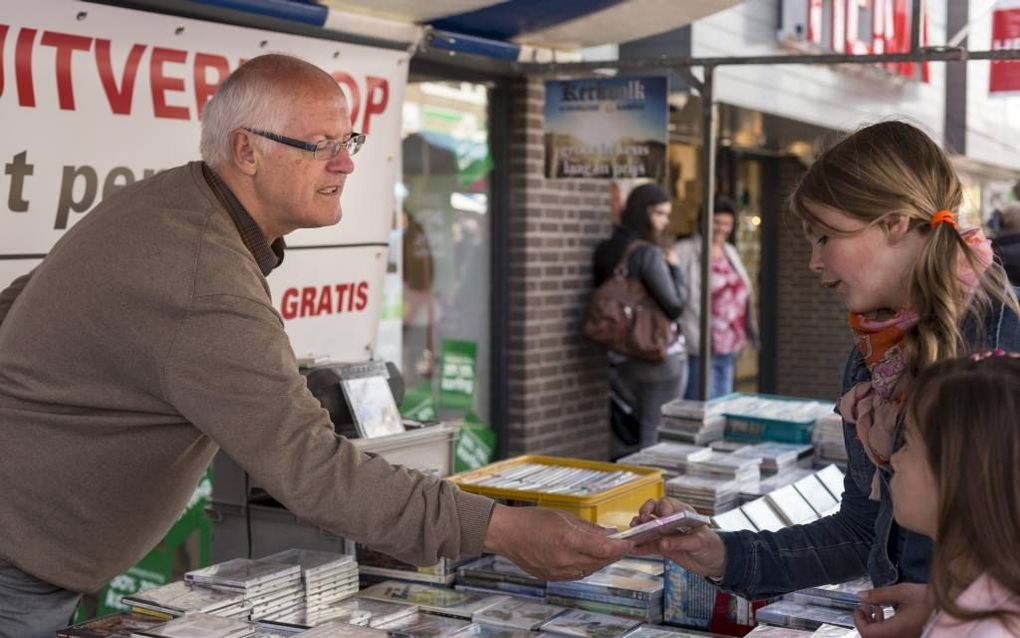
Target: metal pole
[915, 26]
[928, 54]
[708, 202]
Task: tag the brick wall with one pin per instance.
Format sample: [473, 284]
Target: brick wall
[557, 384]
[813, 339]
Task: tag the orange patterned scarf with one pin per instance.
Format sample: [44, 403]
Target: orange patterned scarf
[874, 406]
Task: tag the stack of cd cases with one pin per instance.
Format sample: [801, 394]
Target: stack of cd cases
[516, 613]
[499, 575]
[628, 588]
[436, 600]
[830, 446]
[841, 596]
[342, 630]
[786, 613]
[475, 630]
[327, 578]
[376, 567]
[776, 457]
[578, 623]
[425, 626]
[270, 588]
[697, 432]
[198, 625]
[697, 422]
[366, 612]
[554, 479]
[113, 626]
[743, 470]
[178, 598]
[670, 456]
[707, 494]
[768, 631]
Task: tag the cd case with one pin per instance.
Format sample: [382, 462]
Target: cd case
[679, 523]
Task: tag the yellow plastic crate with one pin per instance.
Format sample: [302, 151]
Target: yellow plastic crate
[613, 507]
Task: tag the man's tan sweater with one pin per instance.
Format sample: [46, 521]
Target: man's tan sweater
[145, 341]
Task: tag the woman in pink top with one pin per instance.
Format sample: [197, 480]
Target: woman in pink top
[733, 321]
[957, 480]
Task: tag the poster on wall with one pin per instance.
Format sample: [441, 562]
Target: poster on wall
[1005, 74]
[606, 128]
[93, 98]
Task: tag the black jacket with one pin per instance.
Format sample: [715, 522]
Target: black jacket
[1007, 249]
[647, 263]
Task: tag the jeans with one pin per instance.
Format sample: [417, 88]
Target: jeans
[721, 379]
[30, 608]
[646, 386]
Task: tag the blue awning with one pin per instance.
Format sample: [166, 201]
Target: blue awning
[525, 30]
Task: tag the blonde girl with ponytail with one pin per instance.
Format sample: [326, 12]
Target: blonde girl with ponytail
[879, 208]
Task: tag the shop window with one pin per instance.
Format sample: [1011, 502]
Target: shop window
[442, 237]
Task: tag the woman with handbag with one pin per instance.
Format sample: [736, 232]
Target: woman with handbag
[635, 251]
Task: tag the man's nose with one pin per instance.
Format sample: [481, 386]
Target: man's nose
[342, 163]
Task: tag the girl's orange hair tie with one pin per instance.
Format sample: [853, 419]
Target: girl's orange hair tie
[943, 216]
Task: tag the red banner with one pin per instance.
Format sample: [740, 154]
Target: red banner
[1005, 74]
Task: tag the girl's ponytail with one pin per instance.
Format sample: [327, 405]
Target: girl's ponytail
[936, 291]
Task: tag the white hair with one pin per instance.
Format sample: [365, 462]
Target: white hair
[253, 96]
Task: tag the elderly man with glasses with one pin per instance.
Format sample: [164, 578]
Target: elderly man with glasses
[147, 340]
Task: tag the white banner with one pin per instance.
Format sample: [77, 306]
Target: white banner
[93, 98]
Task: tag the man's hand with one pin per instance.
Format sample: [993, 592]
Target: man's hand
[551, 544]
[701, 551]
[913, 605]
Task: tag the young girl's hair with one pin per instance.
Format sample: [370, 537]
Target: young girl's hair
[966, 413]
[893, 168]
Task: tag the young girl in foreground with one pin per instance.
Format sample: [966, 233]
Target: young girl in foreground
[957, 480]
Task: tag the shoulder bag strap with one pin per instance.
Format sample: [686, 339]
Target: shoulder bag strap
[621, 266]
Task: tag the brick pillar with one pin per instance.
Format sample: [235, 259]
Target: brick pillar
[557, 384]
[813, 339]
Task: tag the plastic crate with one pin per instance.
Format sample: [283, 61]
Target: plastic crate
[428, 449]
[798, 428]
[616, 506]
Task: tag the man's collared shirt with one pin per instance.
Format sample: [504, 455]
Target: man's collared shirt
[267, 256]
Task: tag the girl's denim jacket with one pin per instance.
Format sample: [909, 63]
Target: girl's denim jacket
[862, 538]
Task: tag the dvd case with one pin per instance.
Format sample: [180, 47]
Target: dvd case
[517, 614]
[585, 624]
[677, 523]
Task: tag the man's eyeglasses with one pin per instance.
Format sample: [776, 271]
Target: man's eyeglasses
[324, 150]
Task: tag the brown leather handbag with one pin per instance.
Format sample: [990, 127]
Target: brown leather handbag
[622, 316]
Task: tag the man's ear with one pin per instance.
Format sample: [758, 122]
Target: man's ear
[242, 152]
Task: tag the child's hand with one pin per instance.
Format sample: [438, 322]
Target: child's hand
[913, 609]
[701, 551]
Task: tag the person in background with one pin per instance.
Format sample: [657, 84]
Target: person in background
[957, 480]
[110, 413]
[1006, 244]
[647, 384]
[877, 210]
[733, 321]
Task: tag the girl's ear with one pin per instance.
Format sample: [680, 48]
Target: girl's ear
[896, 226]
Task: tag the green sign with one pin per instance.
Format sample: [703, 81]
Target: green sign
[476, 445]
[457, 375]
[419, 403]
[157, 567]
